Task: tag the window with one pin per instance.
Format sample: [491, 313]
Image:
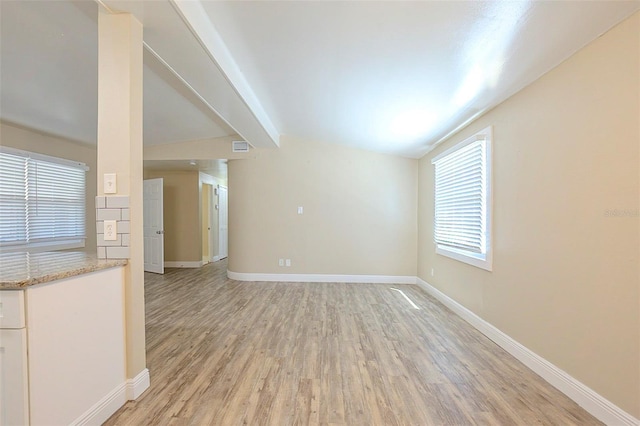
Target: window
[462, 225]
[42, 202]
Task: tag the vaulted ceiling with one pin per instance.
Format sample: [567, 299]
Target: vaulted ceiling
[390, 76]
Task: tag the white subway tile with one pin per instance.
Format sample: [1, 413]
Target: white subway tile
[101, 242]
[124, 227]
[117, 252]
[108, 214]
[100, 202]
[117, 201]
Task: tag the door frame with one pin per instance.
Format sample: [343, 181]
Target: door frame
[206, 210]
[220, 208]
[214, 181]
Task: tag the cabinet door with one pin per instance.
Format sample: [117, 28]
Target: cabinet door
[13, 378]
[12, 309]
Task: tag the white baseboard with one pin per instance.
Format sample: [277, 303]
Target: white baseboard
[598, 406]
[137, 385]
[115, 399]
[216, 259]
[322, 278]
[179, 264]
[104, 408]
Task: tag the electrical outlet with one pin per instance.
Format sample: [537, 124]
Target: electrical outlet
[110, 231]
[288, 262]
[432, 272]
[281, 262]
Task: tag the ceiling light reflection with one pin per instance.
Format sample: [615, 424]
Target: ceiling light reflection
[412, 124]
[489, 40]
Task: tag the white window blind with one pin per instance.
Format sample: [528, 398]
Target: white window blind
[462, 195]
[42, 201]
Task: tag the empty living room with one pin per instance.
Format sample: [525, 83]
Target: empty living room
[320, 212]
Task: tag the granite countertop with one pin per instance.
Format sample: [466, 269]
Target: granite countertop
[20, 270]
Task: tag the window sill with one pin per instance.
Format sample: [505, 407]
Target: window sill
[44, 246]
[473, 259]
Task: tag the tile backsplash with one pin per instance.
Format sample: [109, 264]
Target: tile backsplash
[116, 208]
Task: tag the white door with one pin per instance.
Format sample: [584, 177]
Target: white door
[206, 224]
[223, 222]
[153, 226]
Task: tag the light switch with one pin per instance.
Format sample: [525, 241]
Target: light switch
[110, 186]
[300, 209]
[110, 231]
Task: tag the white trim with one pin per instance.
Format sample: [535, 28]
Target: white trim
[179, 264]
[216, 258]
[195, 17]
[209, 180]
[481, 260]
[137, 385]
[37, 156]
[485, 134]
[323, 278]
[457, 129]
[66, 244]
[104, 408]
[597, 405]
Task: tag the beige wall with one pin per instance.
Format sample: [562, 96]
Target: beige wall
[202, 149]
[359, 211]
[119, 131]
[182, 231]
[33, 141]
[565, 280]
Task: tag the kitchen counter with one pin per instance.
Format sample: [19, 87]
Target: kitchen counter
[20, 270]
[63, 341]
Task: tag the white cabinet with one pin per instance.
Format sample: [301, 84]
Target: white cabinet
[75, 341]
[14, 408]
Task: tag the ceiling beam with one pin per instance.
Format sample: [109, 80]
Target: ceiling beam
[209, 71]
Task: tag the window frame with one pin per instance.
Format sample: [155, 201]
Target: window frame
[483, 260]
[53, 243]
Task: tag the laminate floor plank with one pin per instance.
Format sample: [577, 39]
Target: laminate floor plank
[223, 352]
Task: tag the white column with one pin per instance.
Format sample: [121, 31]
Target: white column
[120, 152]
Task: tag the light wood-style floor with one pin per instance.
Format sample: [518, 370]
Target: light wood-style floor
[223, 352]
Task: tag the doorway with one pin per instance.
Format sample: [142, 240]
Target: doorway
[207, 229]
[153, 225]
[223, 222]
[214, 213]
